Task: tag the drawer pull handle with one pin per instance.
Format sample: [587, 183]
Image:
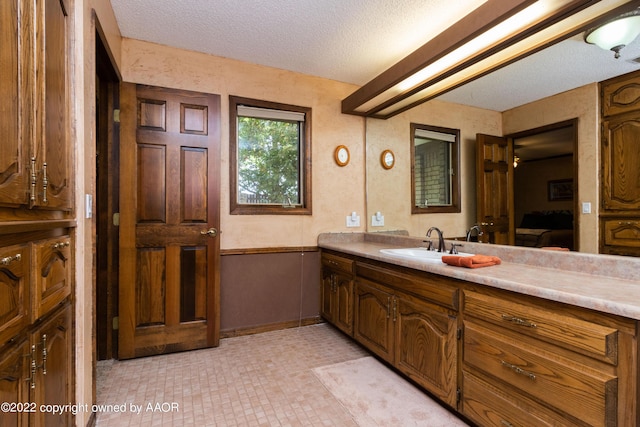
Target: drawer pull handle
[518, 321]
[8, 260]
[61, 245]
[506, 423]
[519, 370]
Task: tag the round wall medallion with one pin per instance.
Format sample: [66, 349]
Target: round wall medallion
[341, 155]
[387, 159]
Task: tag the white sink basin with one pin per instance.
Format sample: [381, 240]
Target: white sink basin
[419, 254]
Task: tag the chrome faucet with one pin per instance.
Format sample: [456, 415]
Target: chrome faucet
[441, 247]
[478, 232]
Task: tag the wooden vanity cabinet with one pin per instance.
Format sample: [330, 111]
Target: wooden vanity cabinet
[530, 359]
[620, 154]
[38, 371]
[337, 291]
[396, 318]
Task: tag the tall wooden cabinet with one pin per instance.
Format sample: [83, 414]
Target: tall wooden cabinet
[37, 221]
[620, 213]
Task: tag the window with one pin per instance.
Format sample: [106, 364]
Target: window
[270, 158]
[435, 178]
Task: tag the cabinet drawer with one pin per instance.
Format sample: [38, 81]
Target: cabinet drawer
[621, 95]
[578, 390]
[14, 290]
[52, 271]
[437, 289]
[561, 329]
[622, 232]
[487, 405]
[337, 263]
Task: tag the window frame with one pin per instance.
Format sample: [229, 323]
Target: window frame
[236, 208]
[455, 206]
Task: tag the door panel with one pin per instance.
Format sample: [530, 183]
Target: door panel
[169, 276]
[494, 192]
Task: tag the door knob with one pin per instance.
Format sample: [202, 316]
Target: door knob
[212, 232]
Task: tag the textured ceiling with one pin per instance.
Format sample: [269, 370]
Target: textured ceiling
[355, 40]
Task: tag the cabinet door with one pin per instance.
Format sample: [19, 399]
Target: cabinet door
[374, 320]
[620, 160]
[53, 160]
[327, 295]
[52, 281]
[15, 118]
[53, 384]
[343, 311]
[14, 291]
[14, 384]
[426, 350]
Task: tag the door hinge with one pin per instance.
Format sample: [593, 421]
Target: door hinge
[115, 323]
[116, 219]
[116, 116]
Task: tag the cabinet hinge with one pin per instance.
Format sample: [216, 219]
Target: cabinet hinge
[458, 395]
[116, 219]
[116, 116]
[459, 334]
[115, 323]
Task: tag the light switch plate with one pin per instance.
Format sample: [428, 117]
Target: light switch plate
[353, 222]
[375, 222]
[586, 207]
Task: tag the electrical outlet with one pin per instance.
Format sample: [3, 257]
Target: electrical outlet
[586, 207]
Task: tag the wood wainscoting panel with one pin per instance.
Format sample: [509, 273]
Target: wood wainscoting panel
[268, 288]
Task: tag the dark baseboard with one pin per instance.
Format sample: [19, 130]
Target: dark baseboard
[270, 327]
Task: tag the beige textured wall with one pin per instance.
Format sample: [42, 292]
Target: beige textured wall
[337, 191]
[581, 103]
[389, 191]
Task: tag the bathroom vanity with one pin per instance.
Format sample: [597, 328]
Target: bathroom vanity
[545, 338]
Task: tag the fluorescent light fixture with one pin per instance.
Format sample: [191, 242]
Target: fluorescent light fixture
[615, 34]
[495, 34]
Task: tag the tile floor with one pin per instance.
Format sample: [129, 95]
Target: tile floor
[256, 380]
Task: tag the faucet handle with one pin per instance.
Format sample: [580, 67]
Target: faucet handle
[453, 250]
[429, 244]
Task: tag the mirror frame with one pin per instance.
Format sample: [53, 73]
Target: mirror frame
[455, 206]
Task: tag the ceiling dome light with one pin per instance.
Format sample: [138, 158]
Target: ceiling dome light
[615, 34]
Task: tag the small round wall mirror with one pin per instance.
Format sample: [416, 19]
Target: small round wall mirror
[341, 155]
[387, 159]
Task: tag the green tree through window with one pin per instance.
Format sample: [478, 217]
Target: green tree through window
[268, 161]
[270, 158]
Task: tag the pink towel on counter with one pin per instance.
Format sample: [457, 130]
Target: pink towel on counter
[474, 261]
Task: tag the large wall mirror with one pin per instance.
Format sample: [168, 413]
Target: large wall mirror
[435, 183]
[390, 192]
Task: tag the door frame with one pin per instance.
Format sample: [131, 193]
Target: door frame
[573, 123]
[107, 196]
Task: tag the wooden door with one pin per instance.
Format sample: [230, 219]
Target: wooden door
[426, 349]
[15, 112]
[374, 319]
[169, 216]
[53, 379]
[53, 160]
[327, 295]
[494, 188]
[620, 160]
[344, 302]
[15, 381]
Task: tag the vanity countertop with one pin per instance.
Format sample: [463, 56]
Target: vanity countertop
[606, 283]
